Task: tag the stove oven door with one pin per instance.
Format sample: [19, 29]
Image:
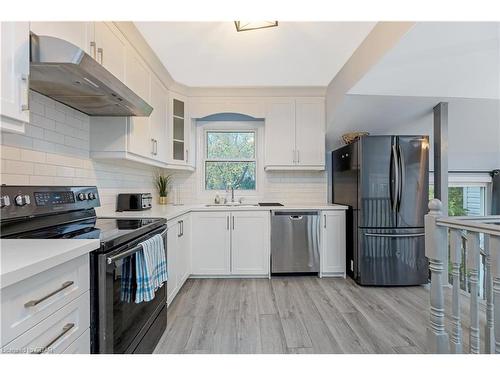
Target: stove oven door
[119, 324]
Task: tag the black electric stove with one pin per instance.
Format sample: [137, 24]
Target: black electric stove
[118, 325]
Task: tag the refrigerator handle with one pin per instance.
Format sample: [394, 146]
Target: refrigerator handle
[401, 164]
[395, 168]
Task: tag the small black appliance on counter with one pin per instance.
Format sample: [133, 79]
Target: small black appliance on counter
[134, 202]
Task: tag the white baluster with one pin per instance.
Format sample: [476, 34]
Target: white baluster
[473, 268]
[436, 249]
[495, 272]
[456, 260]
[489, 333]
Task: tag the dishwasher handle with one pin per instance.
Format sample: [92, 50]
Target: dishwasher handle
[296, 217]
[295, 213]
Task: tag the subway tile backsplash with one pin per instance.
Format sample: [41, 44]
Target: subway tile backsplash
[55, 151]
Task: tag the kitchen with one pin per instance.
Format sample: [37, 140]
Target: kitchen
[103, 152]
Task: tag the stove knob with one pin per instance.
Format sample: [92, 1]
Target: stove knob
[4, 201]
[81, 196]
[22, 200]
[91, 196]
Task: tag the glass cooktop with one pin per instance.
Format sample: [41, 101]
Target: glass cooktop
[111, 232]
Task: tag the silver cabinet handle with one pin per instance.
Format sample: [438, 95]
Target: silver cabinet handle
[100, 55]
[37, 301]
[294, 156]
[182, 227]
[65, 329]
[25, 92]
[156, 147]
[153, 146]
[298, 157]
[395, 235]
[324, 221]
[179, 232]
[93, 49]
[233, 221]
[227, 222]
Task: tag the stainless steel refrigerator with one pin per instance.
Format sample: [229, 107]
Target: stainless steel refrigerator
[385, 182]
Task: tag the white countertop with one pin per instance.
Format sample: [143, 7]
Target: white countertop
[172, 211]
[23, 258]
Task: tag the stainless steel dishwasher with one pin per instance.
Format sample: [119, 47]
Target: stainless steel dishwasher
[295, 242]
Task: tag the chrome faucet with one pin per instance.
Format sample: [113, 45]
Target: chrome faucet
[231, 187]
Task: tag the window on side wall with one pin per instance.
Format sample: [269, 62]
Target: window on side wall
[230, 160]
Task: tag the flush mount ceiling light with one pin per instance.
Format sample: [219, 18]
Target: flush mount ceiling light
[254, 25]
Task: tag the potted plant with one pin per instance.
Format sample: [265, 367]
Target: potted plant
[162, 183]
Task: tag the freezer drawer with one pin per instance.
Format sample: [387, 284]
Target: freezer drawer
[295, 242]
[392, 257]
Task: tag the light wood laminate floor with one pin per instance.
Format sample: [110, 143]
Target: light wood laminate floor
[295, 315]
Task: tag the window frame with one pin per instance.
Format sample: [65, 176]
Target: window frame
[203, 128]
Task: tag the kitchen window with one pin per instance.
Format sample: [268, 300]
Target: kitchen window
[230, 160]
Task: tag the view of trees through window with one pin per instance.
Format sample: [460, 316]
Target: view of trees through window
[230, 160]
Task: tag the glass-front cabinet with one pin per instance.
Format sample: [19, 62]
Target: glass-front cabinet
[180, 130]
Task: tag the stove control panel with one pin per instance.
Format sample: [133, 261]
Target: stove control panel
[22, 201]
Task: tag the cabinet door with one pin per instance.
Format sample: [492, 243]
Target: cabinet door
[15, 67]
[158, 119]
[185, 249]
[280, 133]
[250, 243]
[333, 243]
[111, 49]
[310, 131]
[179, 129]
[211, 244]
[138, 77]
[78, 33]
[172, 259]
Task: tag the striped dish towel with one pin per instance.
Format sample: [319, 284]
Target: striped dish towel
[127, 279]
[151, 268]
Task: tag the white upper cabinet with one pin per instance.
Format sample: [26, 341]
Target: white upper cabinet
[138, 78]
[14, 78]
[179, 132]
[111, 49]
[310, 131]
[250, 243]
[158, 120]
[295, 134]
[81, 34]
[280, 133]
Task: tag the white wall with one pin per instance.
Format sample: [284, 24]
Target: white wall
[474, 125]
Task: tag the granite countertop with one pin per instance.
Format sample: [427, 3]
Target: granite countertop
[23, 258]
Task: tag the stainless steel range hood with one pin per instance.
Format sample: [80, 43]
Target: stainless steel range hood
[65, 73]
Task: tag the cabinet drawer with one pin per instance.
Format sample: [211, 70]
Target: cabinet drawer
[81, 345]
[55, 333]
[28, 302]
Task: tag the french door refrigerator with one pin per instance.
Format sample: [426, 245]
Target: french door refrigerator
[385, 182]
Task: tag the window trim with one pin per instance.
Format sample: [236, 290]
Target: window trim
[215, 128]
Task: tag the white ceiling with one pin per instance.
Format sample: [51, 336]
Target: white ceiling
[439, 59]
[213, 54]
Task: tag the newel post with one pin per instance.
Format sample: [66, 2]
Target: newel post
[436, 250]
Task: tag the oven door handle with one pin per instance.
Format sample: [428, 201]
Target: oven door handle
[131, 251]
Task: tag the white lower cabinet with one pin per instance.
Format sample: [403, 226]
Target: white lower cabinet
[178, 255]
[48, 311]
[250, 243]
[225, 243]
[211, 243]
[333, 237]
